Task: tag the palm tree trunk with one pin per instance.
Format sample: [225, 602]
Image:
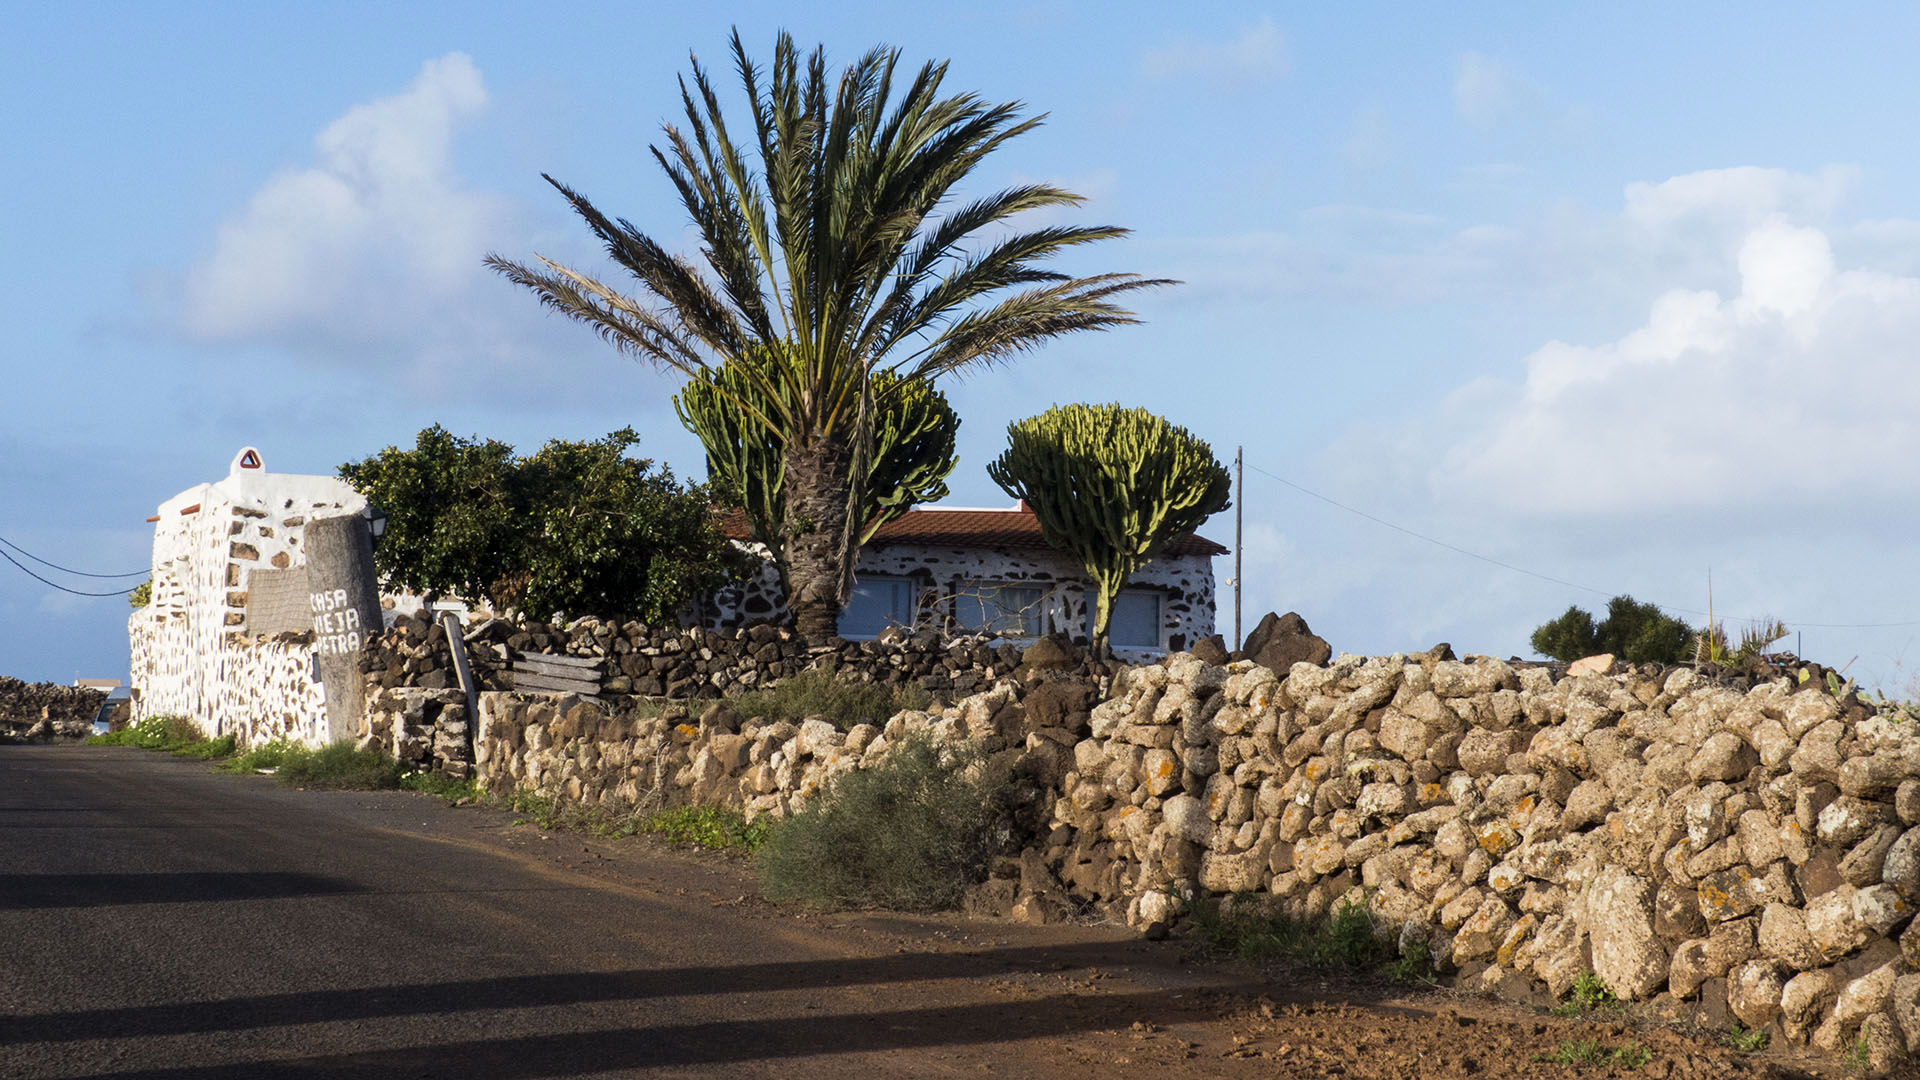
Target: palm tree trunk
[816, 487]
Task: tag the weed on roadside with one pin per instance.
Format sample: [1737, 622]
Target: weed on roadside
[1589, 994]
[1747, 1040]
[207, 749]
[163, 732]
[265, 756]
[338, 766]
[1590, 1053]
[1414, 966]
[1345, 939]
[439, 785]
[716, 828]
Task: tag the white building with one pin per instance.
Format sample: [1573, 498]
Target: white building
[963, 570]
[221, 640]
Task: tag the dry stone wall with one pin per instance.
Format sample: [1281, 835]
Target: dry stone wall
[1722, 854]
[1752, 855]
[66, 710]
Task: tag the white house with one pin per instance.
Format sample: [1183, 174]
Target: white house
[229, 571]
[965, 570]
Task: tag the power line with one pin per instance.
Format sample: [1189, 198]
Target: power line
[1548, 577]
[66, 570]
[57, 585]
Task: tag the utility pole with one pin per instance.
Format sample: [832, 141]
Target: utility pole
[1239, 509]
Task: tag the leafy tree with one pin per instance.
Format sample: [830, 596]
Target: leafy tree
[1567, 638]
[1638, 633]
[1111, 487]
[908, 459]
[833, 253]
[577, 527]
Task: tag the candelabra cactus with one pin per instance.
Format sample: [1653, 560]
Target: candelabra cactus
[907, 462]
[1110, 486]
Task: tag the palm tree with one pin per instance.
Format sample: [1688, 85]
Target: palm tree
[832, 257]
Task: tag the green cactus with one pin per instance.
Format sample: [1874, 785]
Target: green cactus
[1111, 486]
[907, 464]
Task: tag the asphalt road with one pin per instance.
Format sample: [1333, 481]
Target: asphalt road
[160, 920]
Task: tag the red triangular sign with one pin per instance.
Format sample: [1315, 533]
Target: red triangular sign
[249, 460]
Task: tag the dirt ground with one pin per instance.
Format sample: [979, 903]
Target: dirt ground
[1167, 1006]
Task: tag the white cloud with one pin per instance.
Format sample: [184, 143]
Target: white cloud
[1485, 92]
[324, 247]
[1257, 54]
[1369, 145]
[1808, 375]
[369, 260]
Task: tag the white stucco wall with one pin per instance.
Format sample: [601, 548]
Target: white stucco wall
[193, 652]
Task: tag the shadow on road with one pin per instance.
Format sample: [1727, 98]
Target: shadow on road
[575, 988]
[718, 1042]
[25, 891]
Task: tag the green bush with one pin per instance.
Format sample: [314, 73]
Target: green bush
[1635, 632]
[577, 526]
[338, 766]
[910, 834]
[843, 702]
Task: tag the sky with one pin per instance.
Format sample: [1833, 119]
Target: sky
[1510, 308]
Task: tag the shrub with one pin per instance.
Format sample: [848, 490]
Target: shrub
[1635, 632]
[843, 702]
[910, 834]
[338, 766]
[577, 526]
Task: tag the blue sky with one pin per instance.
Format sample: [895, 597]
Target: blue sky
[1618, 296]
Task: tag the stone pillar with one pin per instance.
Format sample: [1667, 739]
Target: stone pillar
[346, 613]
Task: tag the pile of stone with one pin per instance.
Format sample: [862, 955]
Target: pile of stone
[1727, 856]
[416, 653]
[40, 711]
[693, 663]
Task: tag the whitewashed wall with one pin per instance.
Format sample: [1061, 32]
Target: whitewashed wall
[194, 653]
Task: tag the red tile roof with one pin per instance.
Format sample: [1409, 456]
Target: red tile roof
[1014, 528]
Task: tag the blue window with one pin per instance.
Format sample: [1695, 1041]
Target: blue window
[878, 602]
[1136, 619]
[987, 607]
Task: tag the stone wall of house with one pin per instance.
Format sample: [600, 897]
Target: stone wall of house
[1720, 853]
[1186, 583]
